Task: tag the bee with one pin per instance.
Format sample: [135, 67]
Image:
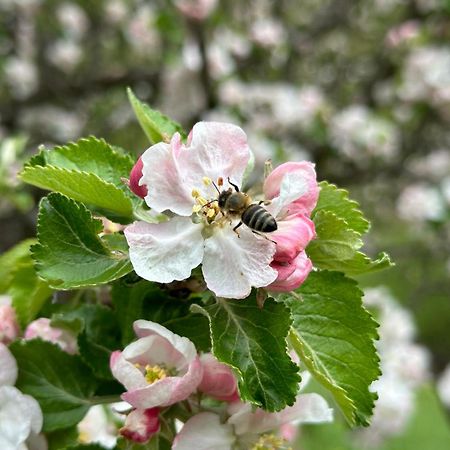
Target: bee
[236, 203]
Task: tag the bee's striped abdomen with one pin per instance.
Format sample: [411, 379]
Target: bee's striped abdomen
[257, 218]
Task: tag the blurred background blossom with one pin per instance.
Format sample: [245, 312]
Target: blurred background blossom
[360, 88]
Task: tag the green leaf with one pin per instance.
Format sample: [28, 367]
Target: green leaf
[89, 171]
[253, 341]
[156, 125]
[334, 242]
[98, 335]
[336, 247]
[334, 335]
[69, 253]
[28, 293]
[144, 300]
[336, 200]
[10, 260]
[60, 382]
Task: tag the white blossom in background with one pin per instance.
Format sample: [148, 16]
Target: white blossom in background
[115, 11]
[65, 54]
[141, 32]
[420, 202]
[434, 165]
[274, 106]
[61, 124]
[22, 77]
[361, 135]
[73, 19]
[405, 365]
[268, 32]
[98, 427]
[426, 76]
[443, 386]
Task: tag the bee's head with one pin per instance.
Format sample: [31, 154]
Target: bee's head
[223, 197]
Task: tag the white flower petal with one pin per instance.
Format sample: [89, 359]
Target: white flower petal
[293, 186]
[308, 408]
[162, 175]
[182, 345]
[204, 432]
[167, 251]
[8, 367]
[216, 150]
[232, 265]
[19, 415]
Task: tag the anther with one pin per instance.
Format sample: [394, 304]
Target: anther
[206, 181]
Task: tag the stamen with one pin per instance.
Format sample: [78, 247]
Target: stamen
[220, 181]
[207, 181]
[210, 213]
[196, 208]
[154, 373]
[271, 442]
[202, 201]
[195, 193]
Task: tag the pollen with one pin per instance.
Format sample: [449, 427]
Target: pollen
[196, 208]
[207, 181]
[195, 193]
[271, 442]
[210, 213]
[154, 373]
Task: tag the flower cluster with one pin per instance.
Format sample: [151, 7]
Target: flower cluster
[183, 180]
[161, 369]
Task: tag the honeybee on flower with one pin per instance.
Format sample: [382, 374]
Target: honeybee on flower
[180, 179]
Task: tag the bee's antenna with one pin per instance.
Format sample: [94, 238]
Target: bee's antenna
[232, 184]
[215, 185]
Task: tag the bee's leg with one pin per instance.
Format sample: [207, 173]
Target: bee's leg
[236, 227]
[232, 184]
[263, 235]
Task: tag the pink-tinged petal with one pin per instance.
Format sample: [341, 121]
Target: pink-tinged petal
[289, 432]
[8, 367]
[292, 236]
[293, 186]
[162, 173]
[141, 425]
[216, 150]
[135, 177]
[166, 391]
[218, 379]
[232, 265]
[204, 432]
[41, 328]
[181, 347]
[125, 372]
[302, 266]
[308, 408]
[9, 328]
[166, 251]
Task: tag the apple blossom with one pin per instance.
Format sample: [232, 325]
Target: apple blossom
[141, 425]
[9, 328]
[96, 427]
[218, 380]
[159, 369]
[41, 328]
[247, 428]
[198, 231]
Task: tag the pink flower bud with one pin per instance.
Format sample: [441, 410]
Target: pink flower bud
[218, 379]
[292, 236]
[291, 274]
[141, 425]
[41, 328]
[135, 176]
[9, 328]
[306, 175]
